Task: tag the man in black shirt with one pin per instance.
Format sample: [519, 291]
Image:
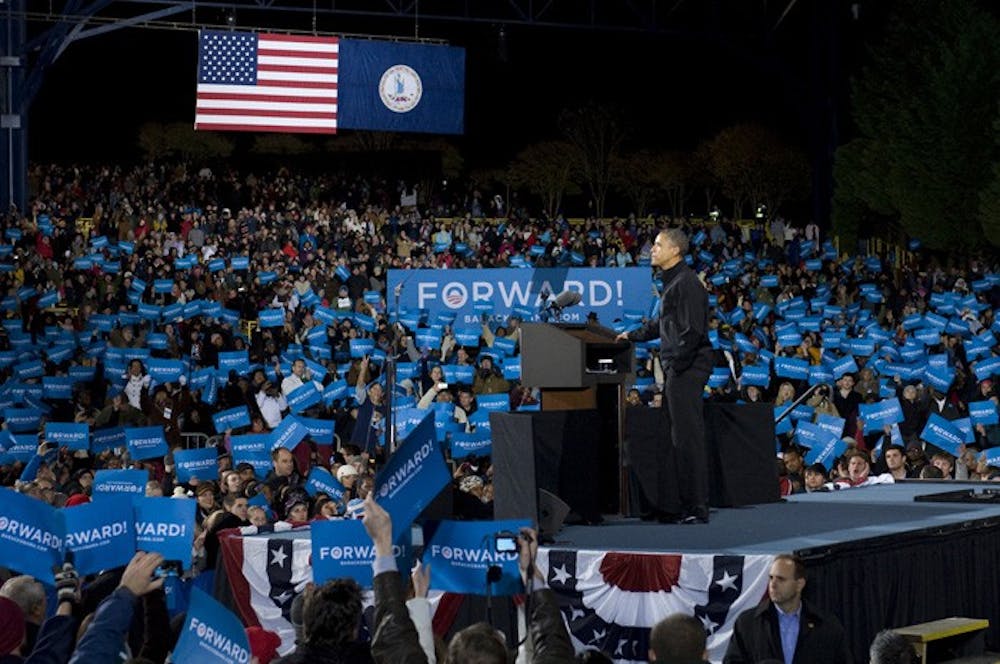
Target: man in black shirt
[686, 357]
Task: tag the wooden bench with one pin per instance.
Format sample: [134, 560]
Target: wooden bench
[947, 638]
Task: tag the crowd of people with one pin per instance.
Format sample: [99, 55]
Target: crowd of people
[113, 271]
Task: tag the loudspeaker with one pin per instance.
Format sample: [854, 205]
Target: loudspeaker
[551, 514]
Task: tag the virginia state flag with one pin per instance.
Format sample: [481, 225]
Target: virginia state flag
[391, 86]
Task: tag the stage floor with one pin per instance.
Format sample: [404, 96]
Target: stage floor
[801, 522]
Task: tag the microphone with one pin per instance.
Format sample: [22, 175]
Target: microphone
[567, 298]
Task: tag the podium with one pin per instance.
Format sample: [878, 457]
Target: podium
[581, 372]
[569, 362]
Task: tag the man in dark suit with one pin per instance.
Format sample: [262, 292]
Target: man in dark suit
[785, 628]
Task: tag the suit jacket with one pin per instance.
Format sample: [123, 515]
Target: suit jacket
[756, 637]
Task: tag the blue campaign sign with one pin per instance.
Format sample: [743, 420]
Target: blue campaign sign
[321, 431]
[22, 419]
[335, 390]
[942, 433]
[145, 442]
[211, 633]
[985, 369]
[983, 412]
[791, 367]
[271, 318]
[165, 525]
[115, 483]
[105, 439]
[504, 345]
[165, 371]
[231, 419]
[844, 365]
[939, 377]
[100, 535]
[163, 285]
[251, 442]
[342, 549]
[759, 375]
[964, 426]
[259, 459]
[479, 443]
[234, 359]
[828, 448]
[461, 552]
[31, 535]
[397, 86]
[877, 415]
[321, 481]
[57, 387]
[288, 434]
[831, 424]
[200, 463]
[608, 292]
[413, 476]
[75, 436]
[361, 347]
[239, 262]
[303, 397]
[494, 402]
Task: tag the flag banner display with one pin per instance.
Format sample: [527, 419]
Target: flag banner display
[166, 526]
[401, 86]
[31, 535]
[342, 549]
[145, 442]
[942, 433]
[613, 609]
[267, 82]
[75, 436]
[111, 483]
[413, 476]
[231, 419]
[198, 463]
[211, 633]
[608, 292]
[460, 553]
[100, 535]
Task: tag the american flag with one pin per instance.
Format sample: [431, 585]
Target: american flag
[266, 82]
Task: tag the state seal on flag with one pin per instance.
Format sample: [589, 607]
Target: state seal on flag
[400, 88]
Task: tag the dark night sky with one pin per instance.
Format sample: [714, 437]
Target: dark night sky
[676, 91]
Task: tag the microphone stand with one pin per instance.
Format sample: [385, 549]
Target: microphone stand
[795, 404]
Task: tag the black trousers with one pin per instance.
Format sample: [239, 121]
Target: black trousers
[684, 398]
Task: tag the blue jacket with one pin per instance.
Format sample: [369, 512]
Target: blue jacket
[105, 638]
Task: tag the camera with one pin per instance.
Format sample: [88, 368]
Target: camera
[167, 569]
[442, 386]
[505, 542]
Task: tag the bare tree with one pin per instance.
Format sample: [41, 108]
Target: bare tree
[597, 132]
[546, 170]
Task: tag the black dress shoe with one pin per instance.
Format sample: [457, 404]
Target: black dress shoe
[691, 519]
[667, 517]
